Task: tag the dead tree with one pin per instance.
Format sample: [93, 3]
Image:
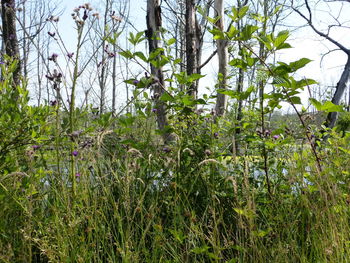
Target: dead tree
[345, 76]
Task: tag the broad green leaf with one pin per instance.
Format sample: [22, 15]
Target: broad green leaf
[295, 100]
[141, 56]
[299, 64]
[247, 32]
[281, 38]
[127, 54]
[166, 97]
[232, 32]
[195, 76]
[328, 106]
[243, 11]
[171, 41]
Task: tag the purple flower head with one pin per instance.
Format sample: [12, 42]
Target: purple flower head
[85, 16]
[135, 82]
[77, 174]
[53, 57]
[36, 147]
[75, 153]
[154, 110]
[1, 62]
[276, 137]
[166, 149]
[70, 54]
[267, 133]
[53, 102]
[111, 54]
[216, 135]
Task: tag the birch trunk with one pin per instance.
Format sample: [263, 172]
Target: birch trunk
[221, 44]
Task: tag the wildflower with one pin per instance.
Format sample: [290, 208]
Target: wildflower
[85, 16]
[216, 135]
[70, 54]
[36, 147]
[53, 102]
[111, 54]
[77, 174]
[53, 57]
[267, 133]
[49, 77]
[135, 82]
[166, 149]
[154, 110]
[276, 137]
[97, 15]
[75, 153]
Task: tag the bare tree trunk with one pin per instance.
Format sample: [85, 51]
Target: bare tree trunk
[8, 15]
[221, 100]
[154, 23]
[102, 77]
[191, 44]
[332, 117]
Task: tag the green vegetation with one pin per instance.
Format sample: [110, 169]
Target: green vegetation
[76, 186]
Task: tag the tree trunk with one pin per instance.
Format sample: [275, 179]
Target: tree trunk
[341, 86]
[191, 44]
[9, 35]
[221, 100]
[154, 24]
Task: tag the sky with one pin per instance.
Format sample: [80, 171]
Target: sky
[304, 41]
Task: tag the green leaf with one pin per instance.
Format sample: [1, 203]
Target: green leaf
[141, 56]
[127, 54]
[281, 38]
[305, 82]
[166, 97]
[329, 106]
[171, 41]
[295, 100]
[195, 76]
[232, 32]
[247, 32]
[200, 250]
[284, 46]
[299, 64]
[243, 11]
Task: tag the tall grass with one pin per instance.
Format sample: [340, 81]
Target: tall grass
[138, 202]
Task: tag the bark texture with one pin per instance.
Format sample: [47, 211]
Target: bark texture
[9, 35]
[221, 44]
[192, 44]
[154, 24]
[332, 117]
